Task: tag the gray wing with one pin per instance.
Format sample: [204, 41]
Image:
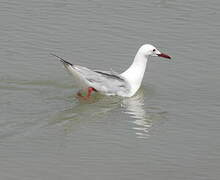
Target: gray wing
[108, 82]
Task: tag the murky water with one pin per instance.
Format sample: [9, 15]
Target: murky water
[168, 130]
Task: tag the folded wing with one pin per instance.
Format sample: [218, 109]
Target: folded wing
[107, 82]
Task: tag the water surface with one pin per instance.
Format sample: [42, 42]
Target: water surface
[168, 130]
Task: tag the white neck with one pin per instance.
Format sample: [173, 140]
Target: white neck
[135, 73]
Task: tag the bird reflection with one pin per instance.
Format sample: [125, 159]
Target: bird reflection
[134, 107]
[142, 116]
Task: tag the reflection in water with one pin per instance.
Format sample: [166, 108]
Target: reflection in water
[85, 110]
[98, 106]
[143, 119]
[134, 106]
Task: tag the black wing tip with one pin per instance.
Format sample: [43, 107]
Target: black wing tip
[61, 59]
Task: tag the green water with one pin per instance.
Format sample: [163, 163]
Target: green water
[168, 130]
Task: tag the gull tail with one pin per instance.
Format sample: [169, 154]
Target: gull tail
[69, 66]
[73, 70]
[66, 63]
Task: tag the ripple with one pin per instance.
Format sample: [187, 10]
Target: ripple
[144, 117]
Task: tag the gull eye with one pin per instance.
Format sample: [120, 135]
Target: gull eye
[154, 50]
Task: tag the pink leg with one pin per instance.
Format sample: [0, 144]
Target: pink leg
[89, 92]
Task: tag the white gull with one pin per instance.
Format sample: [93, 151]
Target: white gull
[125, 84]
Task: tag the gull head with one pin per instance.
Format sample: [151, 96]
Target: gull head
[150, 50]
